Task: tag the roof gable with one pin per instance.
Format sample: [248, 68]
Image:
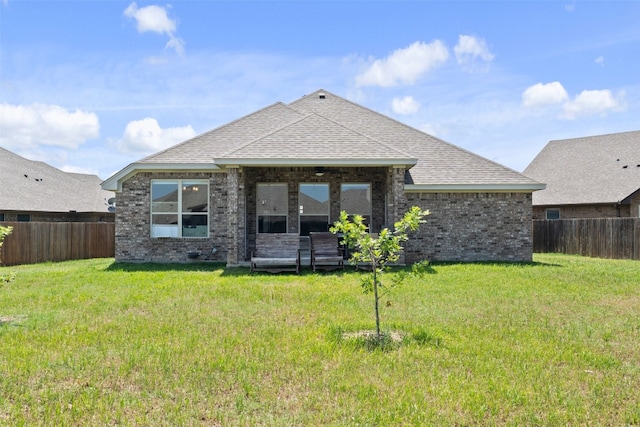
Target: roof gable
[226, 138]
[316, 139]
[325, 129]
[589, 170]
[438, 162]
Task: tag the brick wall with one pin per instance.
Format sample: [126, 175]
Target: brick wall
[133, 221]
[472, 227]
[586, 211]
[461, 227]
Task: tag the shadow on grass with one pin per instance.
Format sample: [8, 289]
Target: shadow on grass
[150, 266]
[430, 268]
[304, 271]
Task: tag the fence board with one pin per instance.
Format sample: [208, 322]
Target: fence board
[614, 238]
[33, 242]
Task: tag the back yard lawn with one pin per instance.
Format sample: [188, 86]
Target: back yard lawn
[556, 342]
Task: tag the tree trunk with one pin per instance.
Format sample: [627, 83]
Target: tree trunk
[375, 294]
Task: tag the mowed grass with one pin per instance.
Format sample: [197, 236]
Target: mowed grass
[555, 342]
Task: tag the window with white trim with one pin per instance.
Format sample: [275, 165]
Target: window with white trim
[355, 199]
[179, 208]
[272, 207]
[313, 201]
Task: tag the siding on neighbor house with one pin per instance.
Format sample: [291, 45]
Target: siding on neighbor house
[60, 216]
[586, 211]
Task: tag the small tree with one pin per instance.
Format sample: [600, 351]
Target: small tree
[377, 252]
[4, 232]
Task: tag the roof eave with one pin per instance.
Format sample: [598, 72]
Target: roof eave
[473, 188]
[114, 183]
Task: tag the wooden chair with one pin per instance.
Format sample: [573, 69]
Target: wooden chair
[326, 252]
[276, 252]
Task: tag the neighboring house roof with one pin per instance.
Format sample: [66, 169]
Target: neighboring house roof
[32, 186]
[323, 129]
[589, 170]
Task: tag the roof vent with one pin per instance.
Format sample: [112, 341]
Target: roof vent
[321, 95]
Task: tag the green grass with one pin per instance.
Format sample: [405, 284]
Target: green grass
[556, 342]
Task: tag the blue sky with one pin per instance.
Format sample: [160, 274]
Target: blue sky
[91, 86]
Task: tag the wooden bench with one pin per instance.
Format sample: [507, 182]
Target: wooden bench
[276, 252]
[326, 252]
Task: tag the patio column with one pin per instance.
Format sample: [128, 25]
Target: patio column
[235, 216]
[396, 201]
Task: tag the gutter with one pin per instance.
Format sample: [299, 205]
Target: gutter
[473, 188]
[114, 182]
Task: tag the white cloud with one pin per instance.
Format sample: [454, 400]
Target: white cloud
[176, 44]
[404, 66]
[586, 103]
[155, 19]
[146, 136]
[544, 94]
[78, 169]
[28, 126]
[599, 60]
[406, 105]
[590, 102]
[470, 48]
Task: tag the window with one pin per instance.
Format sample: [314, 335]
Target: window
[313, 201]
[179, 208]
[1, 217]
[552, 214]
[272, 209]
[356, 199]
[23, 218]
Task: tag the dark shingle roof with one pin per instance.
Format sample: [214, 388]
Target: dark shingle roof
[594, 169]
[33, 186]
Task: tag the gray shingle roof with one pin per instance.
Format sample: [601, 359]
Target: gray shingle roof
[331, 130]
[229, 137]
[439, 162]
[33, 186]
[594, 169]
[314, 137]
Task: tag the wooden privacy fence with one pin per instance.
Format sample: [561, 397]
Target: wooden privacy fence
[615, 238]
[32, 242]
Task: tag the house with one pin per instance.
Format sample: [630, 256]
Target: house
[293, 168]
[590, 177]
[36, 191]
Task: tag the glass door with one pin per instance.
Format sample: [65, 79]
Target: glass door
[313, 201]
